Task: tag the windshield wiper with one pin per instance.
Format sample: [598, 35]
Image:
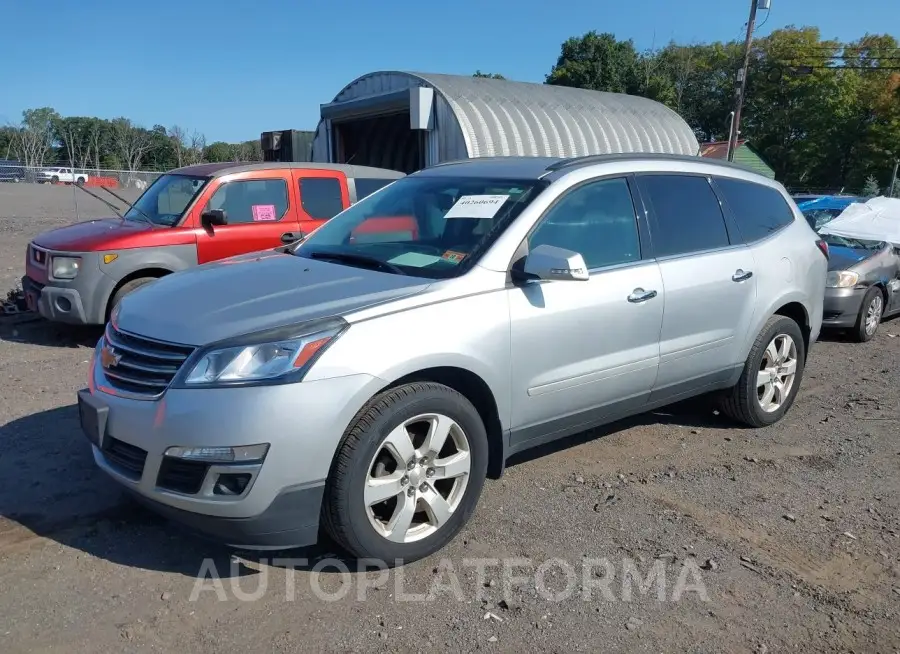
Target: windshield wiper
[131, 206]
[359, 259]
[108, 204]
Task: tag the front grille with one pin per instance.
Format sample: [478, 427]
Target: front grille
[140, 365]
[181, 476]
[126, 459]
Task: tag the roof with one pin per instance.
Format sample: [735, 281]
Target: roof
[718, 149]
[228, 167]
[503, 117]
[536, 167]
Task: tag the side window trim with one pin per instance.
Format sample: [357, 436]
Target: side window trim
[639, 221]
[732, 217]
[652, 217]
[287, 197]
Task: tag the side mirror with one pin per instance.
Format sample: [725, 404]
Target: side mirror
[550, 263]
[213, 217]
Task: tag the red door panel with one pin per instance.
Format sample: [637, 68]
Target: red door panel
[260, 208]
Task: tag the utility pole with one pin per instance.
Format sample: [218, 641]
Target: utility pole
[742, 80]
[893, 179]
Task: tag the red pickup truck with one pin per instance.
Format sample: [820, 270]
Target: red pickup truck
[188, 216]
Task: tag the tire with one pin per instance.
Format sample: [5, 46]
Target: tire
[125, 289]
[54, 180]
[363, 530]
[870, 313]
[743, 402]
[80, 181]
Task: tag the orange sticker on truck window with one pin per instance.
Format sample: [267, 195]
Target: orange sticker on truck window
[452, 256]
[263, 212]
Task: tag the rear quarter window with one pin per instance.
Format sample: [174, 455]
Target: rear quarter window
[368, 185]
[758, 210]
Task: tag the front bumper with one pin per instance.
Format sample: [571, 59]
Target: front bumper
[79, 301]
[841, 307]
[303, 424]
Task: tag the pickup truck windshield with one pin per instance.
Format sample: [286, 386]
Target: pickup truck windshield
[422, 226]
[164, 202]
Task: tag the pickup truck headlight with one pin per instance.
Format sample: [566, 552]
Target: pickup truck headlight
[841, 279]
[277, 356]
[65, 267]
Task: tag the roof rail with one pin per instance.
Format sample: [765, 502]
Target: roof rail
[587, 160]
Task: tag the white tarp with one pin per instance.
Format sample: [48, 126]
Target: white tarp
[875, 220]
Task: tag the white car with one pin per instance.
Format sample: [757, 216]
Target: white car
[65, 175]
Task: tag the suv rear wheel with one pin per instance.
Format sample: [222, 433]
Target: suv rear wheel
[408, 474]
[771, 376]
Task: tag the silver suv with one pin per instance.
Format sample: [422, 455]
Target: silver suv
[369, 378]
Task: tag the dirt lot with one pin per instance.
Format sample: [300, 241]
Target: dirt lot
[785, 538]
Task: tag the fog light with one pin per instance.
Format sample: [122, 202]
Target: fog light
[239, 454]
[231, 484]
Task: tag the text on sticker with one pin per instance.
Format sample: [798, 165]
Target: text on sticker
[263, 212]
[477, 206]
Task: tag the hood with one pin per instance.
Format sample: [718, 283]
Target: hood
[90, 235]
[254, 292]
[844, 258]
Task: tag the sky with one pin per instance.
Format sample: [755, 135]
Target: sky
[234, 68]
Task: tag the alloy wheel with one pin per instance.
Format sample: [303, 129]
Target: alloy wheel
[777, 372]
[417, 478]
[873, 314]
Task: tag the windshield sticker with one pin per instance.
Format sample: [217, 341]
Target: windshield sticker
[263, 212]
[477, 206]
[414, 259]
[453, 257]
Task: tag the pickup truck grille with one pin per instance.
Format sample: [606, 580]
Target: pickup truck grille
[138, 365]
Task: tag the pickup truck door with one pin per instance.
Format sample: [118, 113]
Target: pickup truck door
[261, 210]
[322, 194]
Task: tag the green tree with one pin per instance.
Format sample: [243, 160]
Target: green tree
[871, 187]
[598, 62]
[220, 151]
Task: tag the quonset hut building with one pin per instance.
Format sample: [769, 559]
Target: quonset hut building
[406, 121]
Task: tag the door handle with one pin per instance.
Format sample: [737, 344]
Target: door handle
[639, 295]
[290, 237]
[740, 276]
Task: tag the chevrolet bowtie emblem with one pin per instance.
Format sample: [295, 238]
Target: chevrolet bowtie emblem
[109, 357]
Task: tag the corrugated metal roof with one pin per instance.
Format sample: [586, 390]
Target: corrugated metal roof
[503, 118]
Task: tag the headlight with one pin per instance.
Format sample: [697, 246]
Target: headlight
[283, 355]
[65, 267]
[841, 279]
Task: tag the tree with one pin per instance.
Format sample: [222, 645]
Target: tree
[478, 73]
[35, 136]
[188, 147]
[220, 151]
[598, 62]
[871, 188]
[131, 143]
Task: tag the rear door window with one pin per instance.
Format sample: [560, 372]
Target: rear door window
[320, 197]
[687, 215]
[368, 185]
[758, 210]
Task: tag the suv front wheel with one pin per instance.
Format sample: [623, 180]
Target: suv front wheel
[407, 475]
[771, 376]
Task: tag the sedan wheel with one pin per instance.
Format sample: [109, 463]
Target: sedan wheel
[873, 314]
[417, 478]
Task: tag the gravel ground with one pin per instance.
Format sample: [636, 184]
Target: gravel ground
[785, 538]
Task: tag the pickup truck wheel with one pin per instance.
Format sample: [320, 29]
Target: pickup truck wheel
[79, 181]
[125, 289]
[771, 376]
[407, 475]
[54, 179]
[870, 313]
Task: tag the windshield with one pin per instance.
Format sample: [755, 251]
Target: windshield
[423, 226]
[166, 199]
[818, 217]
[843, 241]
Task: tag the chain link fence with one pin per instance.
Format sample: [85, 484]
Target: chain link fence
[64, 174]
